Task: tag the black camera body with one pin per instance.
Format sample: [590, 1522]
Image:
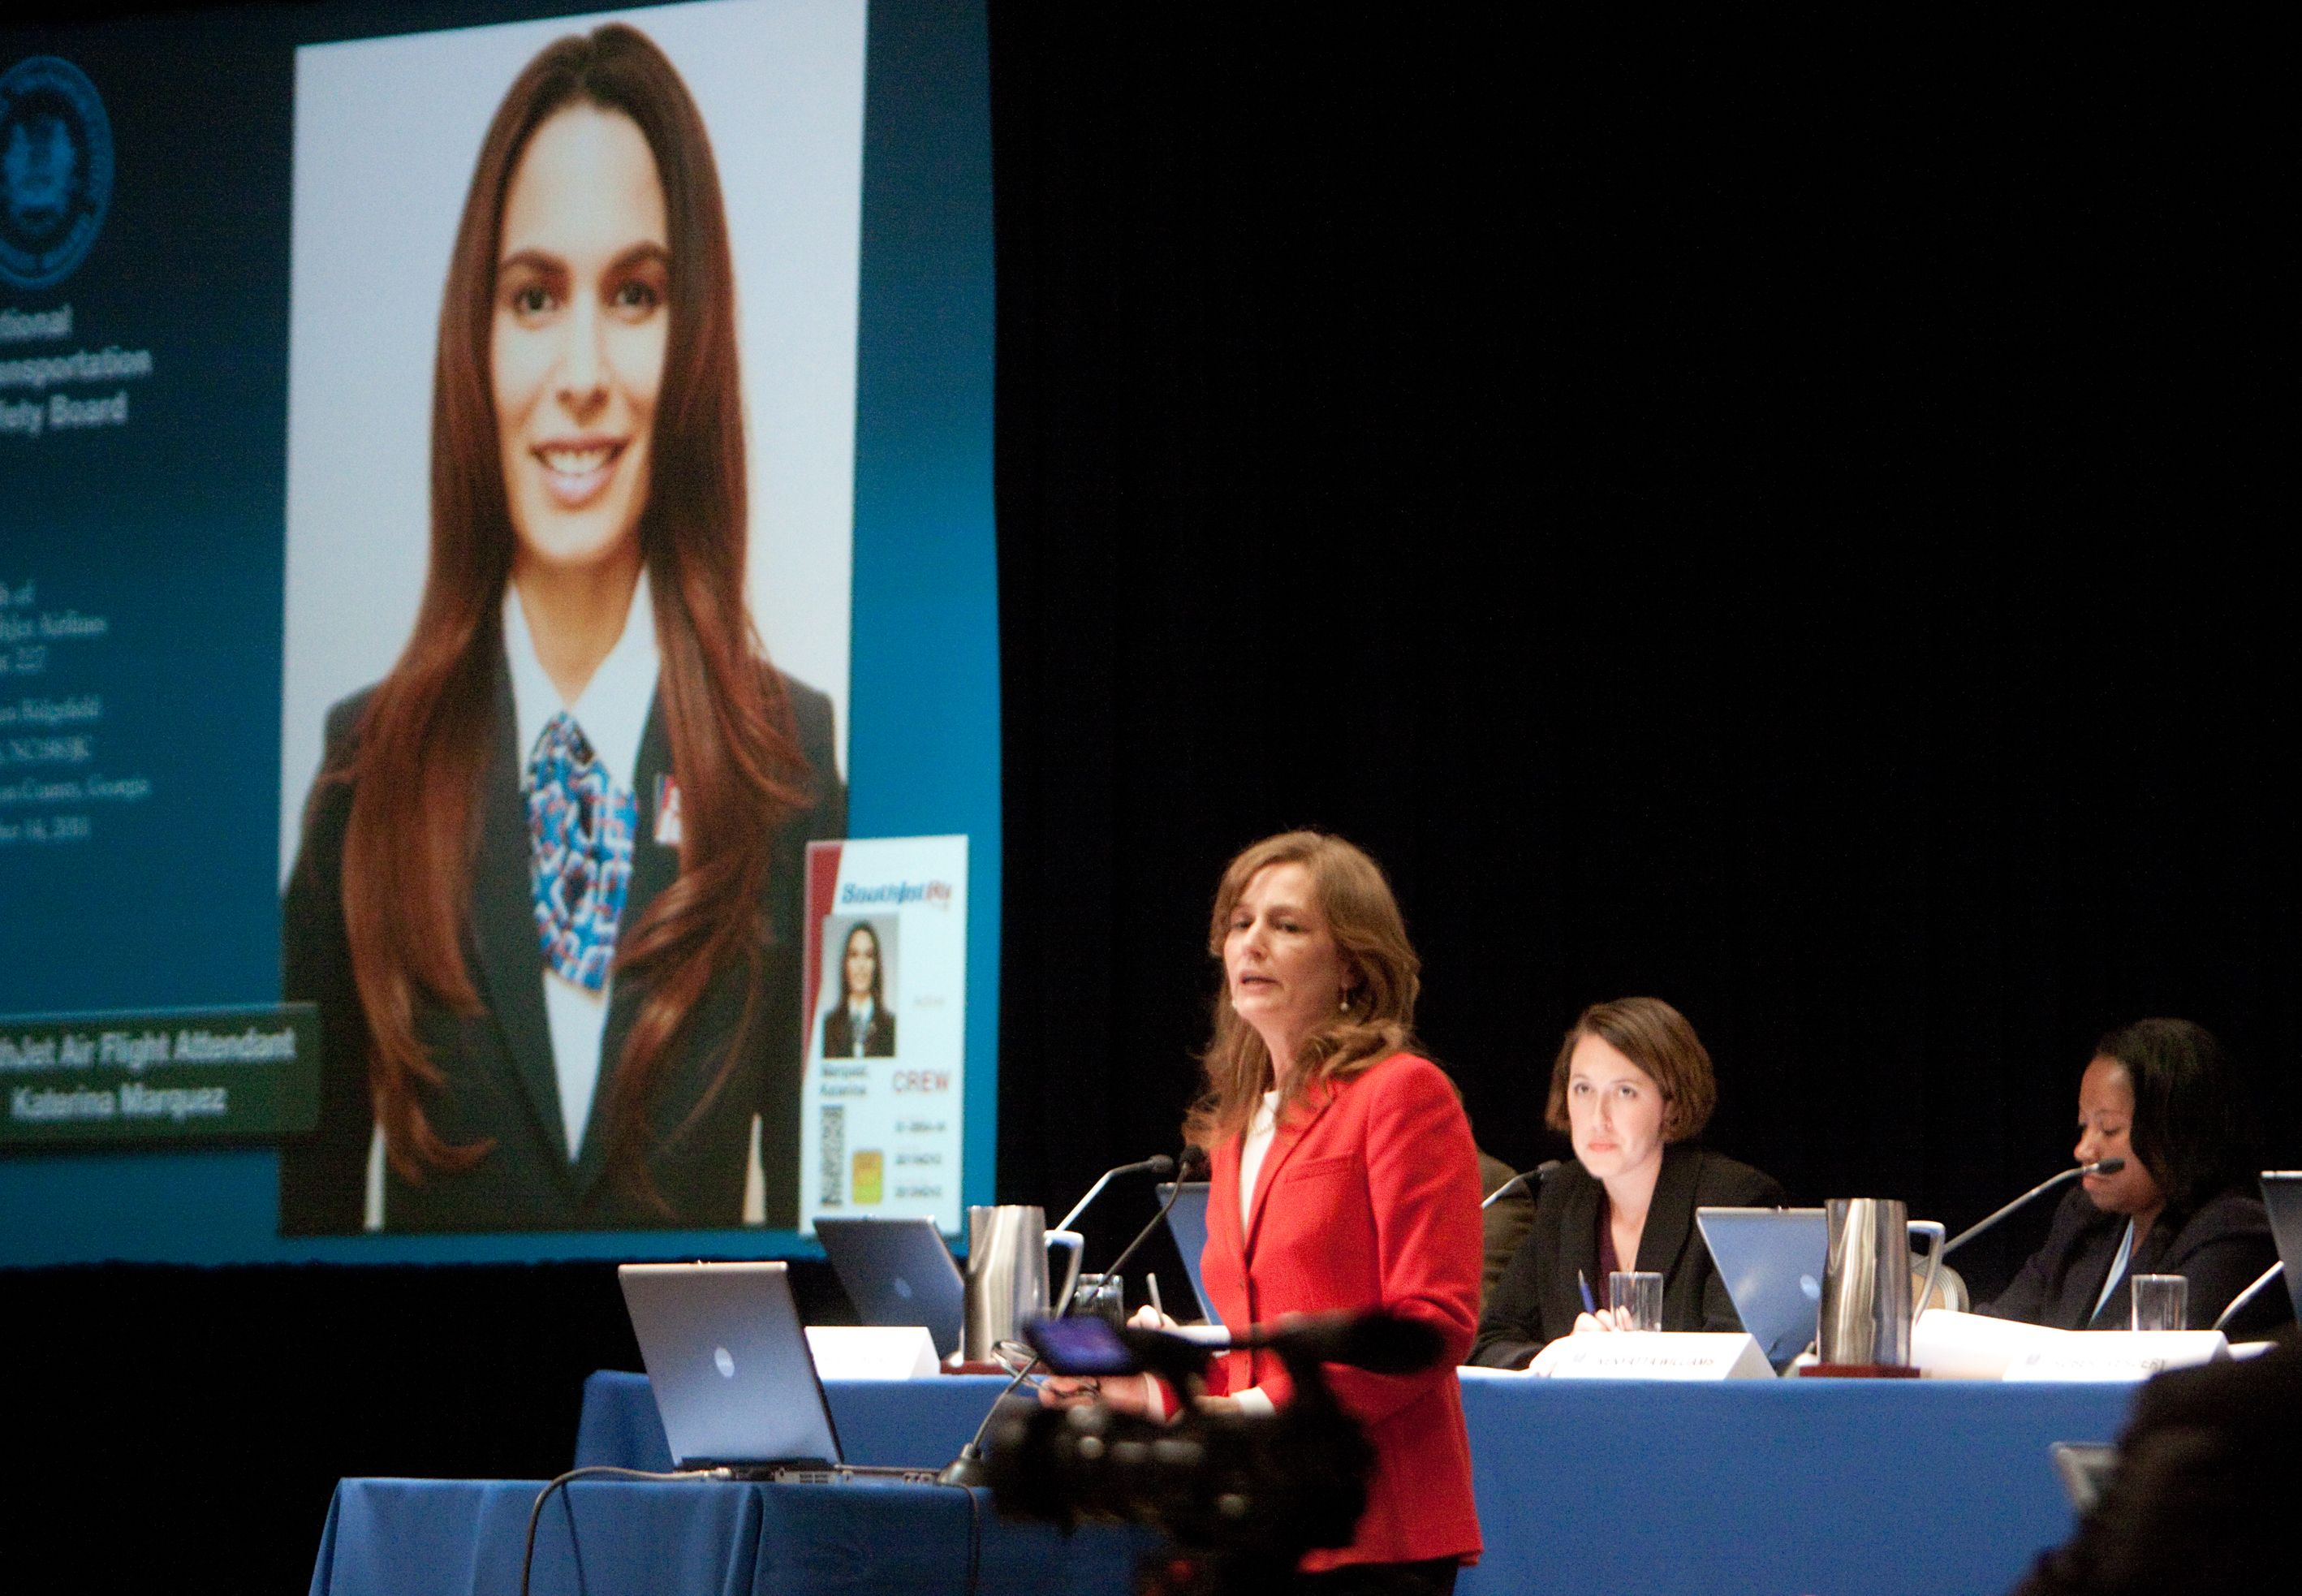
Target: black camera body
[1239, 1497]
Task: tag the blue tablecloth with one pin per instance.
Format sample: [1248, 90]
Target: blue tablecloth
[699, 1538]
[1837, 1488]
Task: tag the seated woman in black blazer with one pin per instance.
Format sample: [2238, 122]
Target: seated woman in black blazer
[1633, 1086]
[2158, 1095]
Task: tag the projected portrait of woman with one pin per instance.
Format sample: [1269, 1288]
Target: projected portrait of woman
[547, 891]
[860, 1025]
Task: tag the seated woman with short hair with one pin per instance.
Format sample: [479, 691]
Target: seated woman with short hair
[1632, 1087]
[2158, 1095]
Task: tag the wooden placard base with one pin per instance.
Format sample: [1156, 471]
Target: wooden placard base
[1858, 1372]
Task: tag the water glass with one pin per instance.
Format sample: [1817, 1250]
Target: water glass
[2161, 1301]
[1102, 1295]
[1636, 1297]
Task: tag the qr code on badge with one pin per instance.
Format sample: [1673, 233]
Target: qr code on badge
[831, 1159]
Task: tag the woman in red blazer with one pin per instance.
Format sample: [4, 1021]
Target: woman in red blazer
[1361, 1187]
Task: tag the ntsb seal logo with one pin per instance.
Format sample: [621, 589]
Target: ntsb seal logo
[56, 170]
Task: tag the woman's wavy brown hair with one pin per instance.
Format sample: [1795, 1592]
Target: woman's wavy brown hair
[1376, 1018]
[423, 748]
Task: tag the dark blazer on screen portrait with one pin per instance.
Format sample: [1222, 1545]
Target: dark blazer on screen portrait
[500, 1084]
[1539, 1296]
[2221, 1246]
[879, 1035]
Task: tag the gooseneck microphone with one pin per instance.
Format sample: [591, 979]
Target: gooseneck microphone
[1161, 1166]
[1529, 1179]
[2100, 1166]
[2249, 1295]
[1194, 1164]
[967, 1469]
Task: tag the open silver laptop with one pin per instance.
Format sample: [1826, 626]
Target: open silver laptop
[898, 1271]
[2281, 1194]
[1772, 1262]
[735, 1383]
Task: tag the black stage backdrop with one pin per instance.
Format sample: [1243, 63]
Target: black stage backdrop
[1767, 522]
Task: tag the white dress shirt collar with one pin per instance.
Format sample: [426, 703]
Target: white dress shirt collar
[613, 707]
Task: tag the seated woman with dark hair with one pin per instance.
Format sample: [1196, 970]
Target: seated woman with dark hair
[1632, 1085]
[2158, 1095]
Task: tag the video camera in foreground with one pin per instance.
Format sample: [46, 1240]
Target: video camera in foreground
[1241, 1498]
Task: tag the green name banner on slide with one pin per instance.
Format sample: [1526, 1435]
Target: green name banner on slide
[170, 1075]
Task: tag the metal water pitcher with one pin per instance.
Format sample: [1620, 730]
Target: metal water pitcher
[1007, 1273]
[1867, 1313]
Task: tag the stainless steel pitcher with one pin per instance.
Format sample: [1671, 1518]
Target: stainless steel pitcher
[1007, 1273]
[1867, 1313]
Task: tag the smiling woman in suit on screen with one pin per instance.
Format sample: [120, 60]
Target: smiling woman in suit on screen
[1342, 1178]
[859, 1026]
[547, 892]
[1633, 1086]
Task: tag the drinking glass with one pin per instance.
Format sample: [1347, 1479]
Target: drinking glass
[1637, 1295]
[2161, 1301]
[1105, 1296]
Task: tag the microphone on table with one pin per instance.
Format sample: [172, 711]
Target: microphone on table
[2100, 1166]
[1530, 1178]
[967, 1468]
[2249, 1295]
[1161, 1166]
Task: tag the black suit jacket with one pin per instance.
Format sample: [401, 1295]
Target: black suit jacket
[2222, 1246]
[499, 1082]
[1537, 1297]
[879, 1035]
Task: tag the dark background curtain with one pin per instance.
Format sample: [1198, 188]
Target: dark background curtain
[1783, 523]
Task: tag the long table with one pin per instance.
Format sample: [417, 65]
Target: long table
[1833, 1488]
[1866, 1487]
[702, 1538]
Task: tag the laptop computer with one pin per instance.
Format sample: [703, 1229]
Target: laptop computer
[734, 1381]
[2281, 1194]
[1186, 1222]
[898, 1271]
[1772, 1261]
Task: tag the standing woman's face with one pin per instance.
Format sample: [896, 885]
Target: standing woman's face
[582, 319]
[863, 964]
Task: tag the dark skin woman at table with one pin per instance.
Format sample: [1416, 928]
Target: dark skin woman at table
[1632, 1085]
[2159, 1095]
[1360, 1187]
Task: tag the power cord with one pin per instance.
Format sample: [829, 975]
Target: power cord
[596, 1470]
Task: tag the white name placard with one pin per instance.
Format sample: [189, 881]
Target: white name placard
[2116, 1355]
[871, 1351]
[1653, 1355]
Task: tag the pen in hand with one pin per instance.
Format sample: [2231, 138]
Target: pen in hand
[1588, 1305]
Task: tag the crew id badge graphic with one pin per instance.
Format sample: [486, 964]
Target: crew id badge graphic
[885, 1010]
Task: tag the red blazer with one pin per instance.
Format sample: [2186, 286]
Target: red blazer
[1368, 1198]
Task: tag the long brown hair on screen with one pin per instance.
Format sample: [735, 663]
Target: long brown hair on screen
[423, 748]
[1376, 1018]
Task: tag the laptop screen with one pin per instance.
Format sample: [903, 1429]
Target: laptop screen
[1772, 1262]
[898, 1271]
[728, 1361]
[1186, 1222]
[2281, 1194]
